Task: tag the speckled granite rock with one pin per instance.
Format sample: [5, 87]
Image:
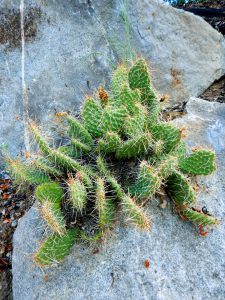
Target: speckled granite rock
[71, 46]
[183, 265]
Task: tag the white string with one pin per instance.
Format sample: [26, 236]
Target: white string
[24, 88]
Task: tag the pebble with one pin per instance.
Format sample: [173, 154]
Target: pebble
[14, 223]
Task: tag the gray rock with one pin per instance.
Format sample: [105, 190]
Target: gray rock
[183, 265]
[71, 46]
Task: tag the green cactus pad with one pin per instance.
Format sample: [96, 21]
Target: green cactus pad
[113, 119]
[128, 98]
[120, 76]
[167, 165]
[92, 115]
[134, 147]
[105, 206]
[201, 162]
[78, 131]
[147, 182]
[55, 248]
[41, 142]
[23, 173]
[158, 148]
[199, 218]
[69, 151]
[110, 144]
[51, 213]
[50, 191]
[180, 190]
[64, 161]
[167, 133]
[91, 238]
[44, 166]
[80, 147]
[154, 112]
[85, 177]
[102, 166]
[134, 213]
[181, 150]
[78, 194]
[135, 124]
[139, 78]
[57, 157]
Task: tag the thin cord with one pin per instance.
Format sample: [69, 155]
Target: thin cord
[24, 88]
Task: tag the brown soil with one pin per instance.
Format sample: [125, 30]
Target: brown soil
[13, 205]
[10, 27]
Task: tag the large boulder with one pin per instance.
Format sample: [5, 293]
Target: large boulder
[183, 265]
[71, 47]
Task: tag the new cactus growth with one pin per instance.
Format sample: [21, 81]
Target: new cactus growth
[118, 155]
[78, 193]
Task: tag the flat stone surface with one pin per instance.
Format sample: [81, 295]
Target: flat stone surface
[183, 265]
[71, 47]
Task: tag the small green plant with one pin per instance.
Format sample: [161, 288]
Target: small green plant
[119, 154]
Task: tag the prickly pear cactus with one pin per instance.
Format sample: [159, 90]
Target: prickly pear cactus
[87, 180]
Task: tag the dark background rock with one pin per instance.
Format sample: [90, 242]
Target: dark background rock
[212, 11]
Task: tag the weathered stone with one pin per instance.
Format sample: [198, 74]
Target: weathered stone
[183, 265]
[70, 47]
